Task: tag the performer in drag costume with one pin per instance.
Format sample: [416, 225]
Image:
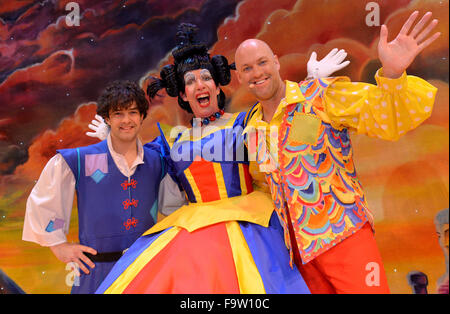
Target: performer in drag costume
[228, 239]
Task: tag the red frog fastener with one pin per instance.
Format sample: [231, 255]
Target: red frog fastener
[126, 184]
[127, 203]
[130, 222]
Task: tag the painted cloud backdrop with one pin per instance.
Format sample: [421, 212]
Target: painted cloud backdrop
[51, 75]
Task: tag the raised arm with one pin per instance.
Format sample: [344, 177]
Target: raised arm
[396, 56]
[399, 102]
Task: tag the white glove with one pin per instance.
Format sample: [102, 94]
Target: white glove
[100, 127]
[328, 65]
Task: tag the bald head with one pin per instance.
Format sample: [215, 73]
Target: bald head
[258, 70]
[253, 47]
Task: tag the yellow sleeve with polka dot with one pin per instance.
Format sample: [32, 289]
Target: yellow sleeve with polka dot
[386, 110]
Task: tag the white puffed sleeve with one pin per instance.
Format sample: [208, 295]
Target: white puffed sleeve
[49, 205]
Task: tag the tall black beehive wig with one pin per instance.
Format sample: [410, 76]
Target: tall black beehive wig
[189, 55]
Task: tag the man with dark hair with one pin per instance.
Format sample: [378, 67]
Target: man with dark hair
[116, 181]
[119, 95]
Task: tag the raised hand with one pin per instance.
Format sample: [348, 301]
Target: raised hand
[99, 127]
[328, 65]
[397, 55]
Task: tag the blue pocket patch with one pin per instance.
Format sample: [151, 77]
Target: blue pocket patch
[98, 175]
[96, 166]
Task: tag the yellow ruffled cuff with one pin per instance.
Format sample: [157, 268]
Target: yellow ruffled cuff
[398, 106]
[387, 110]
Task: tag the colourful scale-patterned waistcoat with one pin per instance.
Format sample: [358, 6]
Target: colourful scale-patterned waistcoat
[315, 178]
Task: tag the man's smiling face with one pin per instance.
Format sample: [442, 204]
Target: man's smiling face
[125, 123]
[258, 69]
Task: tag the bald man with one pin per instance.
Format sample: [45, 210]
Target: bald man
[306, 155]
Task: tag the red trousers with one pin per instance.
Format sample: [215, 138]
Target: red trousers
[352, 266]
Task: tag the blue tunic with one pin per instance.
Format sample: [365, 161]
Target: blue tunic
[113, 210]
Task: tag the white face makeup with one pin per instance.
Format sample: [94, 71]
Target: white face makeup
[201, 92]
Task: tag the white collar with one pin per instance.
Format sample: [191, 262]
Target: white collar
[120, 160]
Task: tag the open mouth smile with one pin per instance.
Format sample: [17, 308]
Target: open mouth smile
[203, 99]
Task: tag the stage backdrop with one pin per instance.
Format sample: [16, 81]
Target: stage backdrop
[56, 57]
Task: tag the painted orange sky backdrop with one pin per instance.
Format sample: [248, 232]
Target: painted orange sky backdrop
[406, 182]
